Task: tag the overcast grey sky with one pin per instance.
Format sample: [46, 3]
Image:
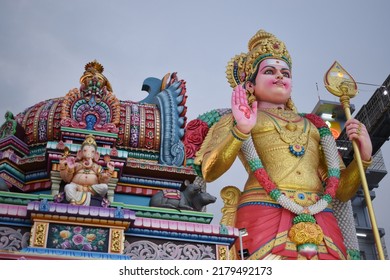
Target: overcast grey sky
[45, 45]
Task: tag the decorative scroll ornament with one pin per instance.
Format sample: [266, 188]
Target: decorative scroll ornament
[116, 240]
[222, 252]
[40, 234]
[230, 196]
[13, 240]
[172, 148]
[147, 250]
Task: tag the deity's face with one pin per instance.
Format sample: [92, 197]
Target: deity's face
[273, 83]
[88, 152]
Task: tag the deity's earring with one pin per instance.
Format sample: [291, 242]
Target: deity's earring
[249, 94]
[290, 105]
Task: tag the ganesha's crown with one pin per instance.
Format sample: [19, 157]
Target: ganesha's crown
[261, 46]
[89, 141]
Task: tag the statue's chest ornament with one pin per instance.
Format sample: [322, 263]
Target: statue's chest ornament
[289, 133]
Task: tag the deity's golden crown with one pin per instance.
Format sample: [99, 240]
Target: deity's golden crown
[261, 46]
[90, 141]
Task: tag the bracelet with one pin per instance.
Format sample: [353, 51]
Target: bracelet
[239, 135]
[366, 164]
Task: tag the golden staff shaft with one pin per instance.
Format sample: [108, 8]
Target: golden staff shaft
[345, 101]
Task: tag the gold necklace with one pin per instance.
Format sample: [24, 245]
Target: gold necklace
[288, 134]
[86, 171]
[285, 115]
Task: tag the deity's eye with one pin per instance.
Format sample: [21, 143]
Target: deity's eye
[286, 74]
[269, 71]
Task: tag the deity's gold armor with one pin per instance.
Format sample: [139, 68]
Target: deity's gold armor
[293, 175]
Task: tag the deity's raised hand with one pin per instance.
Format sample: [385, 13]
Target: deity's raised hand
[244, 114]
[110, 166]
[71, 162]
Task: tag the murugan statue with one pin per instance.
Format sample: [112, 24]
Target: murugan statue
[298, 191]
[85, 177]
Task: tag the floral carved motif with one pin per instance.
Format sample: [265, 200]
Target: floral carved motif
[78, 238]
[196, 131]
[13, 239]
[147, 250]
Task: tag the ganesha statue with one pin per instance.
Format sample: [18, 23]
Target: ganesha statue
[85, 178]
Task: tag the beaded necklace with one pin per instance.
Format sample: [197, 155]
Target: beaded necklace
[304, 214]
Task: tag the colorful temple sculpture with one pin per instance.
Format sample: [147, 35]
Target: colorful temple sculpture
[88, 176]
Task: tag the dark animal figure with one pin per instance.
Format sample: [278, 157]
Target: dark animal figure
[191, 198]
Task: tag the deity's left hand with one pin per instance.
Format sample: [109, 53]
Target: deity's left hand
[357, 131]
[70, 161]
[244, 115]
[110, 166]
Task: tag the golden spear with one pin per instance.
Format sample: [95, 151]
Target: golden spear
[341, 84]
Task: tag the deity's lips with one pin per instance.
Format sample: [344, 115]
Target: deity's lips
[279, 83]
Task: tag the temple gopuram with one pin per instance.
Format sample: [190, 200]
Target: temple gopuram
[88, 176]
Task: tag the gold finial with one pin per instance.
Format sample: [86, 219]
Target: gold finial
[95, 70]
[339, 82]
[90, 141]
[94, 66]
[261, 46]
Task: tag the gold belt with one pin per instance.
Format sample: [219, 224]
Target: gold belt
[303, 198]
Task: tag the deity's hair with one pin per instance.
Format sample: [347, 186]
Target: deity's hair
[252, 79]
